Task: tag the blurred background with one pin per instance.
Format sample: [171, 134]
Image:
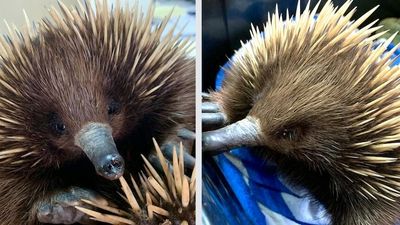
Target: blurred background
[226, 22]
[11, 11]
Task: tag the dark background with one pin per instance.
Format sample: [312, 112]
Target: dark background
[226, 22]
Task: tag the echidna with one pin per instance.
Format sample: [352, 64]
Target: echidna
[160, 198]
[81, 95]
[314, 94]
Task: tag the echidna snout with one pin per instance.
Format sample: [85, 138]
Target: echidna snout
[242, 133]
[95, 139]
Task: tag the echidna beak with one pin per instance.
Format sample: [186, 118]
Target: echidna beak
[95, 139]
[244, 133]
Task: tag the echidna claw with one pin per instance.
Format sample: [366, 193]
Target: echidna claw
[205, 96]
[213, 120]
[155, 161]
[168, 150]
[212, 117]
[186, 134]
[59, 208]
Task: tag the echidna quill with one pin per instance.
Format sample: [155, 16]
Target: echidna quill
[81, 96]
[318, 98]
[160, 198]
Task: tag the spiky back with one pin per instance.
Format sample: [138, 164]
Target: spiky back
[170, 195]
[330, 61]
[79, 55]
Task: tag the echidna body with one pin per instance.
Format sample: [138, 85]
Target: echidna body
[314, 95]
[89, 87]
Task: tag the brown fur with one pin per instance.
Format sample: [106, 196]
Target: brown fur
[320, 83]
[71, 70]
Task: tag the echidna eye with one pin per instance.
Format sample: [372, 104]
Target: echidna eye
[60, 127]
[57, 124]
[288, 134]
[113, 108]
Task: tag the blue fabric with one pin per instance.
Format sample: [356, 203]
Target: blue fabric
[395, 55]
[263, 195]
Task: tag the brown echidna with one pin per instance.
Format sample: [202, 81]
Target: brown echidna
[160, 198]
[317, 97]
[84, 93]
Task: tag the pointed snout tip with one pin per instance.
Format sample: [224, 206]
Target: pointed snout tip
[243, 133]
[211, 143]
[111, 167]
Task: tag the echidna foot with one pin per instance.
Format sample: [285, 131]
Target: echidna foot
[212, 117]
[168, 150]
[186, 138]
[186, 134]
[59, 208]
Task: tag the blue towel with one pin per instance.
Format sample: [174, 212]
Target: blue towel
[261, 194]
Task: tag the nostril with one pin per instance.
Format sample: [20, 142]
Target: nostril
[109, 167]
[113, 166]
[116, 162]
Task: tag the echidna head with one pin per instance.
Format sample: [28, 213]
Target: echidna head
[295, 112]
[302, 119]
[71, 106]
[316, 90]
[87, 83]
[77, 116]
